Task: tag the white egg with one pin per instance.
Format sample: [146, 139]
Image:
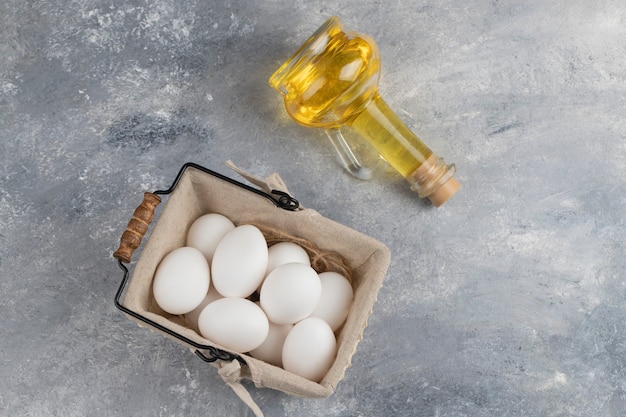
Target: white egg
[192, 317]
[234, 323]
[181, 280]
[239, 262]
[310, 349]
[286, 252]
[206, 232]
[290, 293]
[271, 351]
[335, 300]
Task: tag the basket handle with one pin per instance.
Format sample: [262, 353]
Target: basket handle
[137, 227]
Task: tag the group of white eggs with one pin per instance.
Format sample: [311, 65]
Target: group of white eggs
[210, 279]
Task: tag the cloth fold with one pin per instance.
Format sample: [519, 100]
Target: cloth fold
[231, 375]
[267, 184]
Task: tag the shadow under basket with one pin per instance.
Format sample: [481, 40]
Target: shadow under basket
[197, 191]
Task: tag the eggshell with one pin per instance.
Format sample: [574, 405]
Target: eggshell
[239, 262]
[335, 300]
[310, 349]
[207, 231]
[286, 252]
[181, 280]
[192, 317]
[271, 350]
[290, 293]
[236, 324]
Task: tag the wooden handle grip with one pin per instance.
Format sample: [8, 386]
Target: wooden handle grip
[137, 227]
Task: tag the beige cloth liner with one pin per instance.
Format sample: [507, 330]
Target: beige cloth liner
[199, 193]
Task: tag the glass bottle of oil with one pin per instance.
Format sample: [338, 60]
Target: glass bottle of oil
[332, 81]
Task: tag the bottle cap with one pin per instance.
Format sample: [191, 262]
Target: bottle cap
[444, 192]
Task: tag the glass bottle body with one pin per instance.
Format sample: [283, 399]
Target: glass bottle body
[332, 81]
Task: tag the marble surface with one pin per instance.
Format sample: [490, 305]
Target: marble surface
[507, 301]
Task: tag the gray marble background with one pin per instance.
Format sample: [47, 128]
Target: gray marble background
[507, 301]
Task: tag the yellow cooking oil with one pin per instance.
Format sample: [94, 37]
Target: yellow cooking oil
[339, 86]
[332, 81]
[391, 138]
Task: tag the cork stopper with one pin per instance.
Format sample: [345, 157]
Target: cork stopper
[444, 192]
[435, 180]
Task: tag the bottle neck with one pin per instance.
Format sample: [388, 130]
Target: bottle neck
[393, 140]
[428, 174]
